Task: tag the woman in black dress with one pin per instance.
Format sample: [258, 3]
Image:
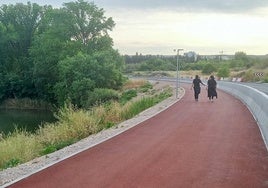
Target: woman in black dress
[212, 85]
[196, 86]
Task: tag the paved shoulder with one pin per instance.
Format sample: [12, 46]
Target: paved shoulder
[191, 144]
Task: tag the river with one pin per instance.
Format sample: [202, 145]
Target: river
[23, 119]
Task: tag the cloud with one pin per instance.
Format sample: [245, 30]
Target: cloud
[180, 5]
[188, 5]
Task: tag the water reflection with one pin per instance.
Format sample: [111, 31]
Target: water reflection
[26, 119]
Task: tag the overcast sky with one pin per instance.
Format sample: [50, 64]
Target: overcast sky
[203, 26]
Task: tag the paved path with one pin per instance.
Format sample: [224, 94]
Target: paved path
[190, 145]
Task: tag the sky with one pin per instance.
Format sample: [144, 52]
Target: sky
[207, 27]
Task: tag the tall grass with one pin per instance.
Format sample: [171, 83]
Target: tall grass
[134, 84]
[73, 124]
[133, 109]
[18, 147]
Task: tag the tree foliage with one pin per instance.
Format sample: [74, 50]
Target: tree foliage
[209, 68]
[82, 73]
[223, 72]
[57, 54]
[241, 60]
[88, 22]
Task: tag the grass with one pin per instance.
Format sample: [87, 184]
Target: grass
[18, 147]
[134, 84]
[73, 124]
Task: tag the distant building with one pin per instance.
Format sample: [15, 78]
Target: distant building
[190, 56]
[217, 57]
[227, 57]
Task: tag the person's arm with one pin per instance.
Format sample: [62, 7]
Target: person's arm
[202, 83]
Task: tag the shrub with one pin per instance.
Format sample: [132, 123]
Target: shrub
[209, 68]
[73, 124]
[249, 76]
[144, 88]
[223, 72]
[99, 96]
[265, 79]
[128, 95]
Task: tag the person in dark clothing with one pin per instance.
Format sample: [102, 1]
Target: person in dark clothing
[212, 85]
[196, 86]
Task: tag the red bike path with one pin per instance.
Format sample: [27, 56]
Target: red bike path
[189, 145]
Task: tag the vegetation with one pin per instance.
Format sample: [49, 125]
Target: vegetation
[74, 124]
[240, 65]
[65, 57]
[57, 54]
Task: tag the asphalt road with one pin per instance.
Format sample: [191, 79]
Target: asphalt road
[263, 87]
[189, 145]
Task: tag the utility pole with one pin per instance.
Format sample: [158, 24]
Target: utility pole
[221, 53]
[178, 69]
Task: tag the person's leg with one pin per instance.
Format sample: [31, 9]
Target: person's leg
[196, 93]
[196, 96]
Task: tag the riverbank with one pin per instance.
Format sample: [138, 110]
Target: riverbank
[37, 164]
[25, 104]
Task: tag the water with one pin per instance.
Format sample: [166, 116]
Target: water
[23, 119]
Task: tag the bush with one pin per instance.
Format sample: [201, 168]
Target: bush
[249, 76]
[265, 79]
[99, 96]
[146, 87]
[209, 68]
[128, 95]
[223, 72]
[73, 124]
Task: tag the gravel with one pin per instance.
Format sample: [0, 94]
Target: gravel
[12, 175]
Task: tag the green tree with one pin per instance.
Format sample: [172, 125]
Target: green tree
[156, 64]
[223, 72]
[51, 45]
[81, 74]
[241, 56]
[77, 28]
[88, 25]
[244, 60]
[18, 24]
[209, 68]
[57, 54]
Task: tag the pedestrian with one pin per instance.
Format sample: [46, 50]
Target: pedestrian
[212, 85]
[196, 86]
